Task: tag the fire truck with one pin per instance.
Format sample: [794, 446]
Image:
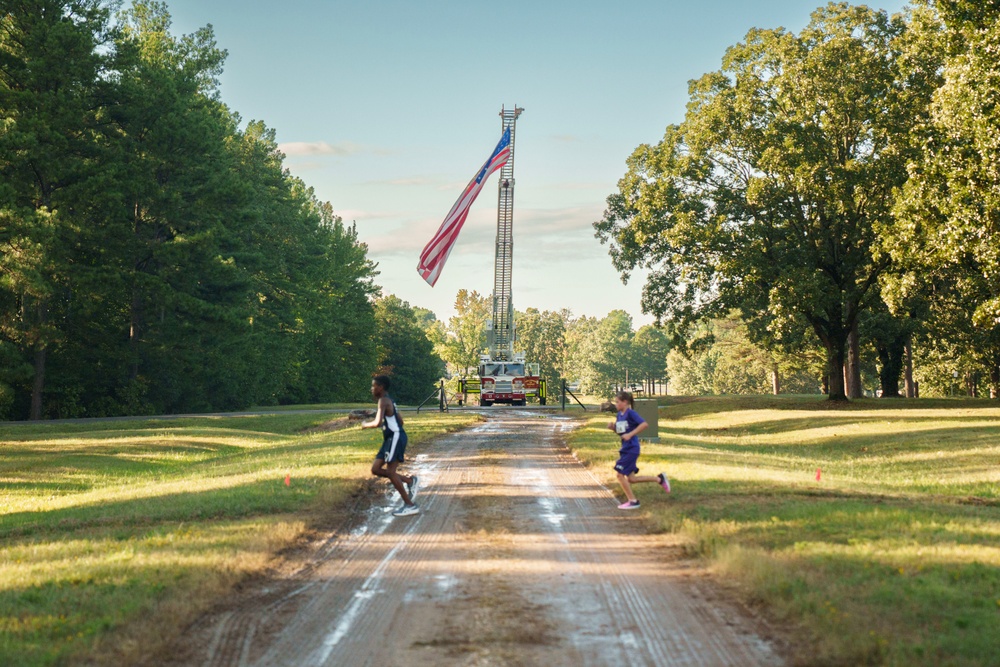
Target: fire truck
[504, 375]
[509, 381]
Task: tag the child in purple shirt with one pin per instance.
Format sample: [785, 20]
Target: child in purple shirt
[628, 425]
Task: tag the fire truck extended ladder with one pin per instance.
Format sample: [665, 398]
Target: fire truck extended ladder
[503, 308]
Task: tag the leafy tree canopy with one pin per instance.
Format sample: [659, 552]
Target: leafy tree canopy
[768, 198]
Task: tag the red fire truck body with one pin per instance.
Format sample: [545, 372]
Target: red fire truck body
[509, 382]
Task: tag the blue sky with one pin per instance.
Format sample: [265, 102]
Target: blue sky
[387, 109]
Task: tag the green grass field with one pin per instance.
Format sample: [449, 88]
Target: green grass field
[115, 535]
[891, 558]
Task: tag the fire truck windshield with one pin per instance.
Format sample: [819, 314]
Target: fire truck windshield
[492, 370]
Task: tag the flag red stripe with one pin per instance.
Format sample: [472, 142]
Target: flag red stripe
[436, 252]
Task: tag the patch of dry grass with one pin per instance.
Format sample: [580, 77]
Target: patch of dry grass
[891, 558]
[116, 535]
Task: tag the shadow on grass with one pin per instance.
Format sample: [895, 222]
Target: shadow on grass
[848, 445]
[676, 407]
[263, 497]
[82, 468]
[277, 425]
[91, 463]
[878, 580]
[805, 424]
[58, 488]
[47, 623]
[853, 514]
[105, 565]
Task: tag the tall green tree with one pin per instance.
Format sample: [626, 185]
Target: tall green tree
[187, 312]
[579, 333]
[769, 196]
[607, 354]
[950, 207]
[425, 317]
[888, 335]
[407, 355]
[466, 330]
[541, 335]
[155, 254]
[729, 362]
[54, 73]
[651, 346]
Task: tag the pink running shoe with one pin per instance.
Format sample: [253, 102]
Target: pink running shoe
[664, 482]
[629, 505]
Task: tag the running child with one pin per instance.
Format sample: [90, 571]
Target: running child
[393, 446]
[628, 425]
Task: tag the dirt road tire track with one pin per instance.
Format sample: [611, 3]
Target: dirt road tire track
[519, 557]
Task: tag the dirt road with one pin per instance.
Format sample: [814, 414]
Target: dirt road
[519, 557]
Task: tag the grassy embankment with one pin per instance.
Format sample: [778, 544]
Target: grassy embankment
[892, 557]
[115, 535]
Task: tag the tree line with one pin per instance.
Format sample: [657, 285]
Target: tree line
[837, 190]
[155, 255]
[825, 216]
[823, 220]
[597, 353]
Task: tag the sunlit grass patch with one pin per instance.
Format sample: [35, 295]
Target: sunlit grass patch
[891, 557]
[115, 535]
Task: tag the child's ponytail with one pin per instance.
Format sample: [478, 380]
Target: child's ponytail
[626, 396]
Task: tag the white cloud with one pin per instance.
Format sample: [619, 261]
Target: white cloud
[407, 181]
[408, 239]
[417, 181]
[310, 165]
[549, 231]
[596, 186]
[310, 148]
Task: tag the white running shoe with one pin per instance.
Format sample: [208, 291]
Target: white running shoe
[664, 482]
[407, 510]
[411, 488]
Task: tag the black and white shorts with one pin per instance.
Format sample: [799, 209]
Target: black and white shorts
[393, 447]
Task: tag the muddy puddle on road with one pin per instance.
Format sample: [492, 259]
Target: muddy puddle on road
[519, 557]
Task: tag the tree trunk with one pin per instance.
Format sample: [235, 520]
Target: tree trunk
[41, 352]
[38, 386]
[824, 384]
[133, 333]
[995, 381]
[835, 357]
[775, 381]
[890, 355]
[853, 364]
[911, 391]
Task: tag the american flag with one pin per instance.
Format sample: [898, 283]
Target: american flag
[435, 253]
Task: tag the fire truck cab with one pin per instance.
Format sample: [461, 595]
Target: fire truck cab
[508, 381]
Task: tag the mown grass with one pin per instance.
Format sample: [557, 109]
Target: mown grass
[115, 535]
[891, 558]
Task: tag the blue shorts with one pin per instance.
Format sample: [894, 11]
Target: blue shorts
[626, 464]
[393, 448]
